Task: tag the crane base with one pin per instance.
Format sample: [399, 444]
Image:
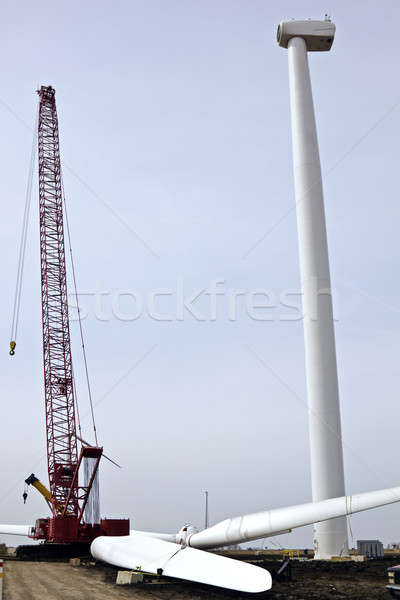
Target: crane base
[67, 530]
[49, 551]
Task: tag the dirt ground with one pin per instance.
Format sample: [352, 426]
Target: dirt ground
[312, 580]
[323, 580]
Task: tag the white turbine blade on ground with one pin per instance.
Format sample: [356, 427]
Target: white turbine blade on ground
[139, 552]
[15, 530]
[271, 522]
[168, 537]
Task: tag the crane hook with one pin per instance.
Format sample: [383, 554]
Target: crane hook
[12, 348]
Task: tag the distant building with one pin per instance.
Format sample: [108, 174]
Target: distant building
[370, 548]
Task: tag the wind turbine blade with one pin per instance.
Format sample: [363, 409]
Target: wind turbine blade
[15, 530]
[272, 522]
[139, 552]
[167, 537]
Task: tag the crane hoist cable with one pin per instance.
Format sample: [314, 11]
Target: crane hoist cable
[79, 319]
[22, 246]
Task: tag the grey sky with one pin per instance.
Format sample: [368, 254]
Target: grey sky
[176, 114]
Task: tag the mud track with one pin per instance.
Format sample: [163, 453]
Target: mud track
[311, 581]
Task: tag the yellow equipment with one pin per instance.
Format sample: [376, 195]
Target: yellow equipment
[12, 347]
[291, 554]
[42, 489]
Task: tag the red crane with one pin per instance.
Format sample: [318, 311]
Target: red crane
[68, 497]
[58, 383]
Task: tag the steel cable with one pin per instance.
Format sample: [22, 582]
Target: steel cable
[22, 247]
[79, 315]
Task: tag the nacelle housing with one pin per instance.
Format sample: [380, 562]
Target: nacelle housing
[318, 35]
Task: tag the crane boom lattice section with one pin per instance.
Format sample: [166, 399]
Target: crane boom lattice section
[58, 380]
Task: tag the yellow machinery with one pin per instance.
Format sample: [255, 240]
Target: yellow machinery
[291, 554]
[42, 489]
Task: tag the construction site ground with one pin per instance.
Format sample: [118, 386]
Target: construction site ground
[316, 580]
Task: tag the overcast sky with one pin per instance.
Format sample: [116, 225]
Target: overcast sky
[176, 150]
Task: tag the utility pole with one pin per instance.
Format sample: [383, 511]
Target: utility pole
[206, 510]
[327, 474]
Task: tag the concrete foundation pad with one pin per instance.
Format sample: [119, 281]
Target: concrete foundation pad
[128, 578]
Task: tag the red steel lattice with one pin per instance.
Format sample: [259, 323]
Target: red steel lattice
[59, 392]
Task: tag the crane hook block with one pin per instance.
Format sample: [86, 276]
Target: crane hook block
[12, 348]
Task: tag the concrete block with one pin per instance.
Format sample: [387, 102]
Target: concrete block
[128, 578]
[75, 562]
[359, 558]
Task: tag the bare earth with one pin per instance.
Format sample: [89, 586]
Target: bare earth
[311, 581]
[51, 580]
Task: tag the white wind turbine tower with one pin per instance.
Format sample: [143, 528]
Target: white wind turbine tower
[301, 37]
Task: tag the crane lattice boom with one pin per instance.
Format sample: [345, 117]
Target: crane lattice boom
[58, 380]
